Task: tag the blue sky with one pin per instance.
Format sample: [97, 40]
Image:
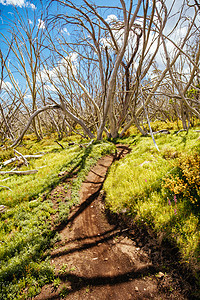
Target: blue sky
[7, 8]
[8, 11]
[34, 7]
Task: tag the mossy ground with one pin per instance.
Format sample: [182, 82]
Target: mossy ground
[137, 186]
[26, 224]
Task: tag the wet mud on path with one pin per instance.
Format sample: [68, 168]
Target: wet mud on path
[98, 260]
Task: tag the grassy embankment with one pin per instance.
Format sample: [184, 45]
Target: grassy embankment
[25, 225]
[161, 189]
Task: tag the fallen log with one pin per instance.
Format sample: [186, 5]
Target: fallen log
[13, 159]
[22, 156]
[5, 187]
[5, 179]
[34, 156]
[181, 131]
[9, 161]
[59, 144]
[28, 172]
[164, 131]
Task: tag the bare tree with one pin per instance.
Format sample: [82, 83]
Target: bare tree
[100, 74]
[3, 87]
[25, 59]
[125, 50]
[93, 31]
[172, 60]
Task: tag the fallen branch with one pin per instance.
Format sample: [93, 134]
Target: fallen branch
[180, 131]
[81, 145]
[34, 156]
[59, 144]
[5, 187]
[19, 172]
[90, 143]
[14, 169]
[23, 158]
[9, 161]
[165, 131]
[5, 179]
[42, 167]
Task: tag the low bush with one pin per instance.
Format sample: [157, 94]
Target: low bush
[184, 182]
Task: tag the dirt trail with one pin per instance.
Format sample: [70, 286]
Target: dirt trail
[97, 260]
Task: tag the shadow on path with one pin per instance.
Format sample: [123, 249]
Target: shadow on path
[79, 282]
[88, 245]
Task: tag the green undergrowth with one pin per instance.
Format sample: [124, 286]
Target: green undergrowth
[25, 225]
[139, 185]
[23, 188]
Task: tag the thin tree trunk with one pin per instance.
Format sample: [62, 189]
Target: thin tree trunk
[6, 123]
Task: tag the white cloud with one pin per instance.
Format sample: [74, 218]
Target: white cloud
[6, 86]
[106, 42]
[32, 5]
[41, 24]
[50, 88]
[30, 22]
[65, 65]
[64, 30]
[111, 18]
[20, 3]
[28, 97]
[73, 57]
[150, 3]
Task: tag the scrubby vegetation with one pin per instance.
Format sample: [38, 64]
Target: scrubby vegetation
[157, 189]
[185, 179]
[96, 71]
[161, 189]
[26, 230]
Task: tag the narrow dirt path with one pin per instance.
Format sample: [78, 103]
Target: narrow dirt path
[97, 260]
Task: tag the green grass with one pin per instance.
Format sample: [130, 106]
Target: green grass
[29, 186]
[135, 185]
[25, 226]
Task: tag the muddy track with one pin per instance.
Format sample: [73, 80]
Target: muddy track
[96, 259]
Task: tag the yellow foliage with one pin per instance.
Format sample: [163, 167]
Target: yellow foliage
[186, 180]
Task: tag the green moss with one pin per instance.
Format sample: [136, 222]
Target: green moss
[135, 184]
[25, 226]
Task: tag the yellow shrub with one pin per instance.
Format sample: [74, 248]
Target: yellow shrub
[185, 181]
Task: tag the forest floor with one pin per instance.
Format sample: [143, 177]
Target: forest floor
[103, 257]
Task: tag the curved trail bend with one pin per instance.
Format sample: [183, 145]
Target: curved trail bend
[96, 260]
